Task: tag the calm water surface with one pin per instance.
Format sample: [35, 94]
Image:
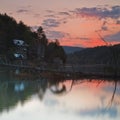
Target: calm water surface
[44, 99]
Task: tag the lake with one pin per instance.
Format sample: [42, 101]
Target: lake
[55, 99]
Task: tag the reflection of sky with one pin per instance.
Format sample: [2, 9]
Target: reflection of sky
[112, 112]
[86, 102]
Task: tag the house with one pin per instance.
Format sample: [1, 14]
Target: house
[20, 49]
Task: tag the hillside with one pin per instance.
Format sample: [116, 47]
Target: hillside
[96, 55]
[10, 30]
[71, 49]
[18, 41]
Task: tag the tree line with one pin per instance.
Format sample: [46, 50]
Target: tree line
[97, 55]
[38, 46]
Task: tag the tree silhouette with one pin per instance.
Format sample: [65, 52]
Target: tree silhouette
[37, 42]
[54, 50]
[42, 42]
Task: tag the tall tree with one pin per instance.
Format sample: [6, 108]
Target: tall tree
[42, 42]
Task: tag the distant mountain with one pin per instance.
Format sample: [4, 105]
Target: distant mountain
[96, 55]
[71, 49]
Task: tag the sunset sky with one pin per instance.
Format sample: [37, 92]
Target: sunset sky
[72, 22]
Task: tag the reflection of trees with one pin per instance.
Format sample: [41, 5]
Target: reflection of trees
[114, 91]
[58, 90]
[115, 82]
[42, 85]
[91, 80]
[14, 91]
[9, 96]
[64, 89]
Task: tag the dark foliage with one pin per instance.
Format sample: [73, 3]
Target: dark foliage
[96, 55]
[54, 50]
[9, 30]
[37, 42]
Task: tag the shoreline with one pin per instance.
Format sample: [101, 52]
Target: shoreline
[61, 72]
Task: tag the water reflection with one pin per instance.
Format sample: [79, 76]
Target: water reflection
[52, 99]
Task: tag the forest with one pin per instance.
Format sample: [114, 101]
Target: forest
[97, 55]
[35, 45]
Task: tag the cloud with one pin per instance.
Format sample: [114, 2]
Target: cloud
[54, 19]
[55, 34]
[118, 22]
[36, 15]
[104, 26]
[50, 16]
[64, 13]
[50, 11]
[84, 38]
[113, 38]
[22, 11]
[34, 28]
[113, 12]
[50, 23]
